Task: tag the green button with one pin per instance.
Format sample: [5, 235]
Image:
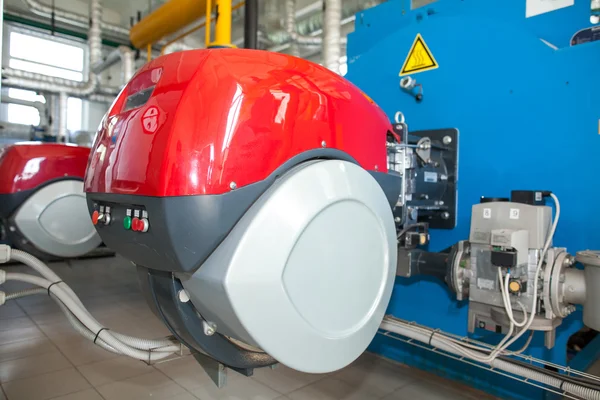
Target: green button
[127, 222]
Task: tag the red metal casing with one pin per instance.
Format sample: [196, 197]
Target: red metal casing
[228, 115]
[26, 165]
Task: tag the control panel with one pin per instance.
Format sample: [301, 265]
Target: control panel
[132, 218]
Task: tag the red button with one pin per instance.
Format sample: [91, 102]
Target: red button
[95, 216]
[135, 224]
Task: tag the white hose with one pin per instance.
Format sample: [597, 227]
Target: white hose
[24, 293]
[86, 319]
[46, 272]
[439, 340]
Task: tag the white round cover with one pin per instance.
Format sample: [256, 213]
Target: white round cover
[312, 274]
[55, 219]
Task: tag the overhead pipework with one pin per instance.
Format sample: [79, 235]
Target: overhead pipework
[71, 18]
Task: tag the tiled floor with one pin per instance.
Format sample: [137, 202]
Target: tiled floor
[42, 357]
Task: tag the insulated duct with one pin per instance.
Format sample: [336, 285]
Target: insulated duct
[70, 18]
[308, 26]
[45, 83]
[121, 54]
[11, 131]
[290, 28]
[38, 105]
[332, 33]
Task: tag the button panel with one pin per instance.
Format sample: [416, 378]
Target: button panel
[130, 217]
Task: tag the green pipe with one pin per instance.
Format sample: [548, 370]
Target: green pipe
[41, 25]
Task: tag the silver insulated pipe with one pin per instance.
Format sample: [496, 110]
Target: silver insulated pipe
[45, 83]
[70, 18]
[332, 20]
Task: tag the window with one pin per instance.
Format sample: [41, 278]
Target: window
[20, 114]
[44, 56]
[27, 95]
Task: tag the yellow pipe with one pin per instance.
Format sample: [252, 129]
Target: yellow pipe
[149, 50]
[195, 29]
[166, 20]
[207, 23]
[223, 24]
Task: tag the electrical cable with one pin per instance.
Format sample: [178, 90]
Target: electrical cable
[440, 341]
[46, 272]
[93, 325]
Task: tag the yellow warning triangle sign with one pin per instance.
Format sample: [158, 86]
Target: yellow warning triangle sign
[419, 58]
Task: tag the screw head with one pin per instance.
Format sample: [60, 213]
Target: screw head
[445, 215]
[209, 328]
[377, 168]
[183, 296]
[397, 219]
[323, 144]
[447, 140]
[233, 186]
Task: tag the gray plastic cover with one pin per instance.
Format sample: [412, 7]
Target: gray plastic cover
[55, 219]
[307, 273]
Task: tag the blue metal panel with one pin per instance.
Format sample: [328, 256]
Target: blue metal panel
[528, 116]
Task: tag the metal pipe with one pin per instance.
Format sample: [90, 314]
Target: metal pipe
[9, 130]
[121, 54]
[332, 49]
[70, 18]
[223, 23]
[290, 27]
[251, 24]
[38, 105]
[166, 20]
[45, 83]
[63, 133]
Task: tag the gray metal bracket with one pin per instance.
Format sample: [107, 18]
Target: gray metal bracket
[215, 370]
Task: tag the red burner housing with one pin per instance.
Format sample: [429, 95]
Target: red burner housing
[27, 165]
[196, 121]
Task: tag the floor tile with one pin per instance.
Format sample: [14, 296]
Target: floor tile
[187, 372]
[183, 396]
[46, 386]
[427, 390]
[114, 369]
[237, 389]
[26, 348]
[284, 379]
[49, 318]
[61, 331]
[17, 335]
[331, 389]
[154, 385]
[83, 351]
[88, 394]
[11, 310]
[32, 366]
[16, 323]
[377, 376]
